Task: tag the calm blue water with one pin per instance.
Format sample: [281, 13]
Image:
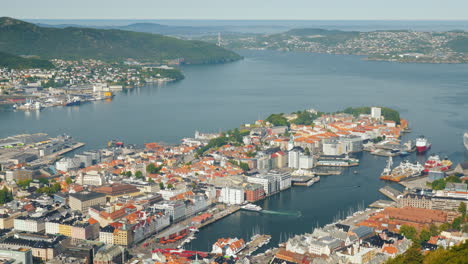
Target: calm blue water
[433, 97]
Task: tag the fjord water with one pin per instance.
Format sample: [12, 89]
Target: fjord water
[433, 97]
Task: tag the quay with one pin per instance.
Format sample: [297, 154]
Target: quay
[219, 216]
[69, 149]
[415, 182]
[390, 192]
[326, 172]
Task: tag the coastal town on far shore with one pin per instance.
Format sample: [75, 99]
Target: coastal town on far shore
[382, 45]
[131, 203]
[71, 83]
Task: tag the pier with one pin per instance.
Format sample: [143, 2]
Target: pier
[390, 192]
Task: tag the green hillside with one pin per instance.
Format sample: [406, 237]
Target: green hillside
[17, 62]
[22, 38]
[459, 44]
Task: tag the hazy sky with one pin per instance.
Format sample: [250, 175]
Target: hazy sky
[238, 9]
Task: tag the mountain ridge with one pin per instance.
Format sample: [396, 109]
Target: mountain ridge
[23, 38]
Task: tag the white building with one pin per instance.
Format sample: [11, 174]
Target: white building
[293, 157]
[376, 112]
[168, 194]
[332, 147]
[67, 164]
[352, 144]
[52, 227]
[283, 181]
[94, 178]
[175, 209]
[306, 162]
[324, 245]
[29, 224]
[232, 195]
[264, 181]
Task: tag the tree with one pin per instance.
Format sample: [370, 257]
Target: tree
[170, 186]
[457, 222]
[307, 151]
[408, 231]
[425, 235]
[139, 175]
[5, 195]
[444, 227]
[462, 209]
[153, 169]
[433, 230]
[69, 180]
[454, 255]
[438, 184]
[128, 174]
[150, 180]
[43, 180]
[411, 256]
[23, 183]
[161, 185]
[244, 166]
[278, 120]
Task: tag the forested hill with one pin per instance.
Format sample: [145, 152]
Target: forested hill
[17, 62]
[22, 38]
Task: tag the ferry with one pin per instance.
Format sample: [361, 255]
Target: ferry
[465, 140]
[422, 145]
[434, 163]
[251, 207]
[403, 171]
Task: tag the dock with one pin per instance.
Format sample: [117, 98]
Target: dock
[255, 243]
[304, 180]
[390, 192]
[382, 204]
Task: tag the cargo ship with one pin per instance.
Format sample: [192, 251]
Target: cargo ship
[434, 163]
[422, 145]
[403, 171]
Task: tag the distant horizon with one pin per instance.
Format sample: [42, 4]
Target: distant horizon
[239, 19]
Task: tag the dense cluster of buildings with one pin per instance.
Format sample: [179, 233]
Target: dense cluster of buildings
[72, 83]
[387, 45]
[108, 200]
